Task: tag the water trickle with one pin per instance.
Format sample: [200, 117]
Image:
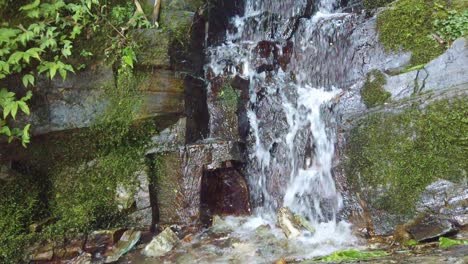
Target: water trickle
[293, 62]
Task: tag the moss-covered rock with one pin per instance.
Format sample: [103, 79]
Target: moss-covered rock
[409, 25]
[20, 205]
[373, 92]
[392, 157]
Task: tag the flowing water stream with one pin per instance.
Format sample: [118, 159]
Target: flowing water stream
[290, 53]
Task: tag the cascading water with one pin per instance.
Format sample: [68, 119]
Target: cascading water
[290, 60]
[291, 54]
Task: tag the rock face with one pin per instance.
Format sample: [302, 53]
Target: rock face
[161, 244]
[442, 78]
[179, 178]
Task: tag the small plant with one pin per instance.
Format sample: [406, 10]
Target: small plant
[447, 242]
[454, 26]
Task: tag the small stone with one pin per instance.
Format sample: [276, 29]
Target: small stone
[128, 240]
[287, 223]
[161, 244]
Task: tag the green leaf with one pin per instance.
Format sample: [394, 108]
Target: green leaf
[4, 66]
[352, 254]
[447, 242]
[6, 131]
[25, 37]
[14, 109]
[128, 61]
[7, 109]
[28, 79]
[24, 107]
[25, 138]
[6, 34]
[15, 57]
[34, 53]
[31, 6]
[27, 96]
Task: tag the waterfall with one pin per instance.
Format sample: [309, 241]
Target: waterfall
[291, 54]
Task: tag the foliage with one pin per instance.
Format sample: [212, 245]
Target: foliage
[37, 45]
[454, 26]
[9, 106]
[84, 179]
[409, 25]
[352, 254]
[372, 93]
[19, 202]
[447, 242]
[392, 157]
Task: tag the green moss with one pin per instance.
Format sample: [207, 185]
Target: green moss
[409, 24]
[373, 93]
[393, 157]
[19, 204]
[229, 97]
[372, 4]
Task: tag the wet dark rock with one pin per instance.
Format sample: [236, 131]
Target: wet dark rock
[427, 227]
[224, 191]
[196, 109]
[219, 18]
[179, 177]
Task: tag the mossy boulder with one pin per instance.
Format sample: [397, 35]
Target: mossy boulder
[393, 155]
